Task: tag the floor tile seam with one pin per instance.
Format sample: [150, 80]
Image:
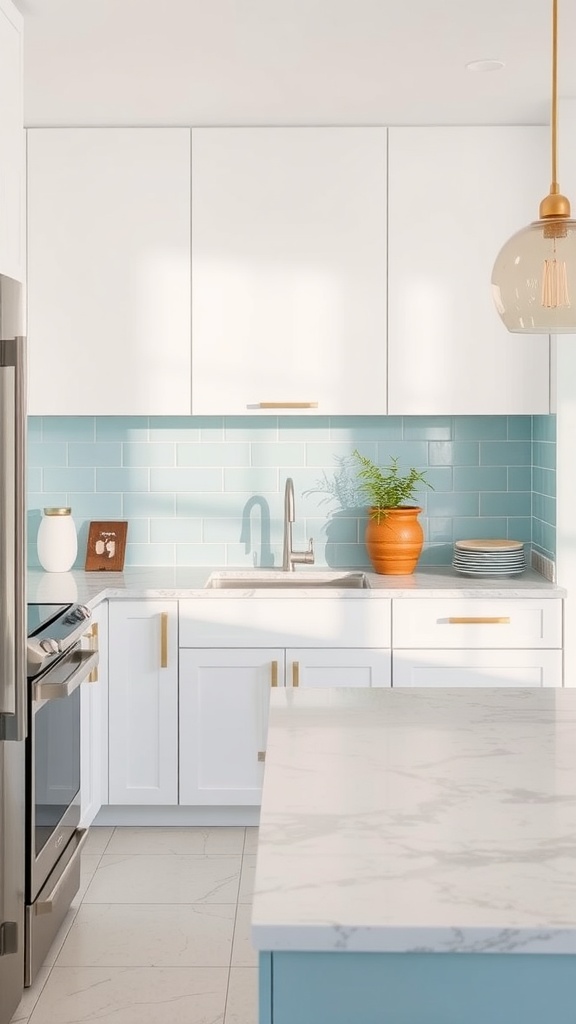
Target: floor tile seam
[148, 903]
[172, 853]
[138, 967]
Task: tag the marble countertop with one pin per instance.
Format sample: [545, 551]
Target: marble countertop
[419, 821]
[141, 582]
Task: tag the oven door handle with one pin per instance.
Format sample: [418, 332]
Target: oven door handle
[46, 906]
[83, 661]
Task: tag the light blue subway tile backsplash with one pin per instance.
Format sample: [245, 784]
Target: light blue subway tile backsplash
[506, 453]
[181, 479]
[544, 428]
[78, 428]
[297, 428]
[519, 478]
[214, 454]
[504, 503]
[285, 453]
[35, 428]
[454, 453]
[176, 531]
[209, 491]
[69, 479]
[148, 453]
[428, 428]
[118, 428]
[481, 428]
[544, 454]
[53, 453]
[123, 479]
[480, 478]
[519, 428]
[100, 453]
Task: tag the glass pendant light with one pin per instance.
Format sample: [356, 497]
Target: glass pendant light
[534, 276]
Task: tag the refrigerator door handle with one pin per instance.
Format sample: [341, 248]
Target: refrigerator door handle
[12, 539]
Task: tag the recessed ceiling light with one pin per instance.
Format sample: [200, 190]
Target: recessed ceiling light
[485, 65]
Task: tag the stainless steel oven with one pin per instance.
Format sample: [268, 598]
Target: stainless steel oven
[59, 658]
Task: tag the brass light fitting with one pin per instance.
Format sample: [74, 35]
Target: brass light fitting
[534, 276]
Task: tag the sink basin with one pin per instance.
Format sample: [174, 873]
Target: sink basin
[288, 581]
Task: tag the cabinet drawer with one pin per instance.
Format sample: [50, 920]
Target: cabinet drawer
[463, 623]
[284, 622]
[476, 668]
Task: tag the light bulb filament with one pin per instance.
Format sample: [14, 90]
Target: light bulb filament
[555, 284]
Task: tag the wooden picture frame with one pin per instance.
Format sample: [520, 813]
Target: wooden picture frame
[106, 546]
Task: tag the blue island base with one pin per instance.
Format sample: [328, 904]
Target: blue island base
[417, 988]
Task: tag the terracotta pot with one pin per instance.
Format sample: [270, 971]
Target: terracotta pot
[394, 543]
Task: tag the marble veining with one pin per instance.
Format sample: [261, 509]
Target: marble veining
[174, 583]
[419, 821]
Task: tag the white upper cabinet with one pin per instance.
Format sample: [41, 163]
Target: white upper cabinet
[289, 270]
[12, 144]
[109, 271]
[455, 196]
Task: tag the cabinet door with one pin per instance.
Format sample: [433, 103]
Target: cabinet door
[455, 196]
[12, 143]
[477, 668]
[94, 712]
[143, 702]
[109, 271]
[289, 269]
[224, 700]
[340, 667]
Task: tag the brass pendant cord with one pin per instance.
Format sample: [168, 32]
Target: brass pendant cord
[554, 205]
[554, 187]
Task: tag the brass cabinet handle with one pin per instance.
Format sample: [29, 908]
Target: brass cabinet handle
[93, 643]
[287, 405]
[295, 673]
[274, 673]
[164, 640]
[490, 620]
[261, 755]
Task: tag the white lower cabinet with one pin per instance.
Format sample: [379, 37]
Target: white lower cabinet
[188, 724]
[224, 700]
[477, 642]
[477, 668]
[143, 702]
[224, 703]
[94, 723]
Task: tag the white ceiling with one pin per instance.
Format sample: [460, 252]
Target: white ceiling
[230, 62]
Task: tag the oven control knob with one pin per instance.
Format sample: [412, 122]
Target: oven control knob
[49, 646]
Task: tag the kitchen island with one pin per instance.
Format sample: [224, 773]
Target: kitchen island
[417, 858]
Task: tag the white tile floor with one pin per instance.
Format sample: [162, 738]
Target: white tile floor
[158, 934]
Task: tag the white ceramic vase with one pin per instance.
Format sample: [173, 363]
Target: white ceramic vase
[57, 541]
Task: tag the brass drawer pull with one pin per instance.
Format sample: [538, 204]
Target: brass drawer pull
[295, 673]
[287, 405]
[274, 673]
[490, 620]
[164, 640]
[93, 640]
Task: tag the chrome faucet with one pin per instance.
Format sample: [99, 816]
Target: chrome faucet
[289, 557]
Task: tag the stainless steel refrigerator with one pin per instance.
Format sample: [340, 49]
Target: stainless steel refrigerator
[13, 710]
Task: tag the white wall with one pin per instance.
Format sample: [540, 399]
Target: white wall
[566, 416]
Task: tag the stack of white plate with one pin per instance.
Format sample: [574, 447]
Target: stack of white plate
[489, 557]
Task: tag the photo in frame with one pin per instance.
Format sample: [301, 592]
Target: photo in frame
[106, 546]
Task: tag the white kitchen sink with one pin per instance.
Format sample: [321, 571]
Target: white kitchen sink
[287, 580]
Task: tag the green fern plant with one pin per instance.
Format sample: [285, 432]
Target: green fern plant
[386, 488]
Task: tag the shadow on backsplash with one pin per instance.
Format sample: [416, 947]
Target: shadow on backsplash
[266, 555]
